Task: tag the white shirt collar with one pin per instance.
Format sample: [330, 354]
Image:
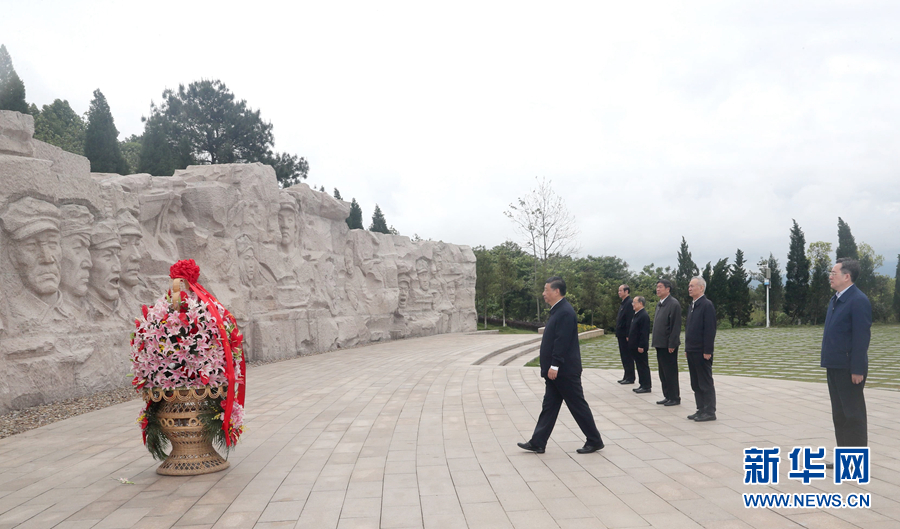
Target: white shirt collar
[557, 301]
[841, 293]
[663, 299]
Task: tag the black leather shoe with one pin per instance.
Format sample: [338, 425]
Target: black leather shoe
[623, 381]
[531, 448]
[703, 417]
[673, 402]
[587, 449]
[694, 415]
[641, 390]
[664, 401]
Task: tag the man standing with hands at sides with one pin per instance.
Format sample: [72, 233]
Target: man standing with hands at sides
[845, 354]
[699, 338]
[623, 324]
[561, 369]
[666, 339]
[639, 342]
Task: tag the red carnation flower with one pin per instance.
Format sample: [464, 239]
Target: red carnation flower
[185, 269]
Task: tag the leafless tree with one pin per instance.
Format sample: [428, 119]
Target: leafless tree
[546, 225]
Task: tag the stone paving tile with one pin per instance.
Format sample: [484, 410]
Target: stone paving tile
[410, 434]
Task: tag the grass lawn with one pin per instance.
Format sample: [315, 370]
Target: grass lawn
[790, 353]
[503, 330]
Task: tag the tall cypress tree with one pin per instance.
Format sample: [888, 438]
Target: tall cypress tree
[896, 303]
[683, 274]
[354, 221]
[12, 89]
[717, 287]
[707, 274]
[819, 286]
[796, 286]
[846, 242]
[378, 223]
[101, 143]
[12, 94]
[739, 307]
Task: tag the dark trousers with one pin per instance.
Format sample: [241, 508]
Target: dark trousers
[627, 360]
[848, 408]
[565, 389]
[702, 382]
[642, 364]
[668, 373]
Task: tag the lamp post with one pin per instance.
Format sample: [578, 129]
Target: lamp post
[768, 286]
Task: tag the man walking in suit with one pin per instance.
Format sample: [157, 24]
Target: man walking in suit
[639, 343]
[623, 324]
[699, 340]
[666, 339]
[561, 369]
[845, 354]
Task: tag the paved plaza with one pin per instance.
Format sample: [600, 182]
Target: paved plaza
[423, 432]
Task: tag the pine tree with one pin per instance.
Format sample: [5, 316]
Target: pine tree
[846, 242]
[12, 95]
[379, 224]
[717, 287]
[739, 306]
[707, 273]
[796, 286]
[59, 125]
[101, 143]
[354, 221]
[896, 303]
[819, 286]
[6, 65]
[337, 194]
[686, 270]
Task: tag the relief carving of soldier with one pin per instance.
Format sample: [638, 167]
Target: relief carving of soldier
[75, 230]
[133, 291]
[35, 252]
[106, 271]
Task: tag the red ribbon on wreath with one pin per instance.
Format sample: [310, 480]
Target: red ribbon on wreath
[190, 272]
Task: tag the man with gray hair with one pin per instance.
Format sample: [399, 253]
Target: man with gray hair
[699, 340]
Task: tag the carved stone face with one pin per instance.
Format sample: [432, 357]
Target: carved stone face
[451, 291]
[106, 272]
[404, 293]
[349, 266]
[247, 265]
[287, 225]
[37, 259]
[76, 264]
[131, 259]
[424, 274]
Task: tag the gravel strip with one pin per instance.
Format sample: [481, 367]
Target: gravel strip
[18, 421]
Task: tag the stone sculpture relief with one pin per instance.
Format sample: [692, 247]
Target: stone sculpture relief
[80, 253]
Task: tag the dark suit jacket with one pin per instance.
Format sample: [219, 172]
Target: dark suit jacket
[623, 319]
[559, 345]
[700, 329]
[667, 324]
[848, 327]
[639, 334]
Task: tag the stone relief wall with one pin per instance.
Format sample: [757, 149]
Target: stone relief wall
[80, 252]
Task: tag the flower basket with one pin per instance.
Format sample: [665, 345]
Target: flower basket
[188, 363]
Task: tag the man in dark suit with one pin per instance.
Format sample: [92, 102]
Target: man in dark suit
[623, 324]
[666, 339]
[699, 341]
[845, 354]
[561, 369]
[639, 342]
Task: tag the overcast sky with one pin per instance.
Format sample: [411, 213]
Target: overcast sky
[717, 121]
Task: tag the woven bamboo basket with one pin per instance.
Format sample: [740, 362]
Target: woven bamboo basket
[192, 450]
